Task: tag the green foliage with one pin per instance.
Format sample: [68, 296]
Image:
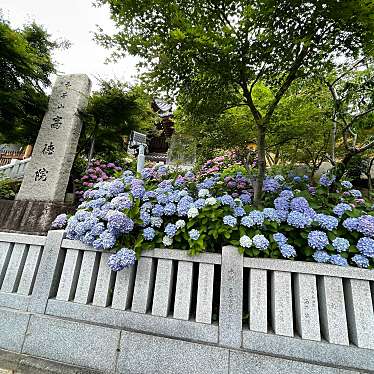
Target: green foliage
[26, 65]
[8, 188]
[111, 114]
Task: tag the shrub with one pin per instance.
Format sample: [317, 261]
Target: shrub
[203, 214]
[9, 188]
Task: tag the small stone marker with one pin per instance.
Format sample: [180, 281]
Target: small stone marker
[48, 172]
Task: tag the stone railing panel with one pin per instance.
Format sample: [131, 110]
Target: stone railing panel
[19, 261]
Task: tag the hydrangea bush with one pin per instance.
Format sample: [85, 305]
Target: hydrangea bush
[201, 214]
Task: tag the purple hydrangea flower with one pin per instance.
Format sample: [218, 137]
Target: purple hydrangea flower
[124, 258]
[366, 246]
[60, 221]
[317, 240]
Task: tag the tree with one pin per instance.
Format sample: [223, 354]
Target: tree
[232, 45]
[352, 93]
[26, 65]
[111, 114]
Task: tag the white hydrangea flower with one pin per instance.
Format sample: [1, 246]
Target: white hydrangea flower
[167, 240]
[192, 212]
[180, 224]
[245, 241]
[204, 192]
[211, 201]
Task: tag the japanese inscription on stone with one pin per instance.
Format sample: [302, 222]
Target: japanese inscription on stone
[48, 171]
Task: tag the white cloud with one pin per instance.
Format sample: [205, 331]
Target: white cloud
[74, 20]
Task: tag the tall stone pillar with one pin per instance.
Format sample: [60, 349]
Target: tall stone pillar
[48, 172]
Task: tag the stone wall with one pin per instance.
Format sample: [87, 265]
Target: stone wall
[173, 313]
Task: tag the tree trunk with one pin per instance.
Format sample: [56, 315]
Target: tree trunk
[261, 164]
[341, 167]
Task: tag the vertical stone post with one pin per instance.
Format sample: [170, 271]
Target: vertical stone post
[48, 172]
[231, 303]
[46, 277]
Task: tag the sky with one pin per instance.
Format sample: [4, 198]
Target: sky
[73, 20]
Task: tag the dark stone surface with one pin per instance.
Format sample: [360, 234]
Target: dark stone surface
[29, 217]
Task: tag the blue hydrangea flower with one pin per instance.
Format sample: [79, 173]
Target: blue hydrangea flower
[98, 228]
[321, 256]
[145, 217]
[350, 224]
[338, 260]
[366, 246]
[299, 204]
[298, 220]
[227, 200]
[124, 258]
[326, 181]
[158, 210]
[183, 205]
[257, 217]
[147, 173]
[170, 209]
[199, 203]
[279, 178]
[280, 238]
[119, 221]
[162, 198]
[288, 251]
[286, 194]
[194, 234]
[326, 222]
[230, 221]
[170, 230]
[366, 225]
[137, 191]
[317, 240]
[282, 215]
[247, 221]
[346, 184]
[341, 208]
[82, 215]
[121, 202]
[156, 222]
[270, 185]
[260, 242]
[239, 212]
[281, 203]
[148, 195]
[106, 239]
[180, 224]
[60, 221]
[245, 198]
[149, 233]
[96, 203]
[355, 193]
[245, 241]
[115, 187]
[340, 244]
[361, 261]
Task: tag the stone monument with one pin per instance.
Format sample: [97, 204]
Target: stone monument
[42, 193]
[48, 172]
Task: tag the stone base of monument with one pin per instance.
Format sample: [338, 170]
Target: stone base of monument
[29, 217]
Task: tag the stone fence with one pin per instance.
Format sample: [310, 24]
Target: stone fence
[212, 313]
[15, 170]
